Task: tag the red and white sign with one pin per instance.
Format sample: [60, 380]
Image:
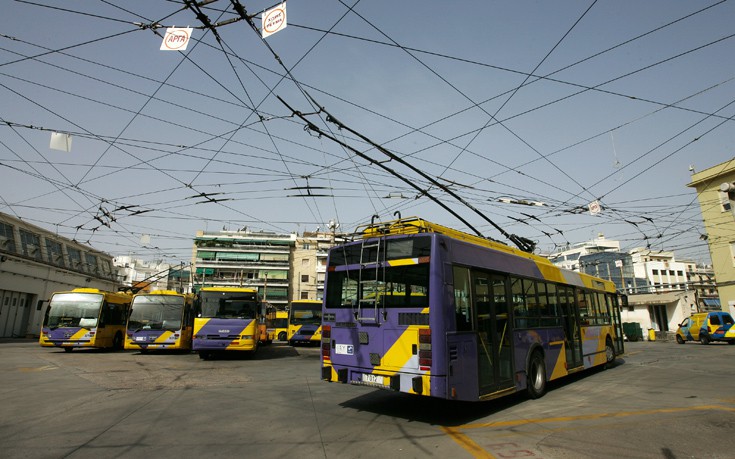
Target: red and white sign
[274, 20]
[594, 207]
[176, 39]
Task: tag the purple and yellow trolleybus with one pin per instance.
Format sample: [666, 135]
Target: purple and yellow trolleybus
[305, 322]
[160, 320]
[85, 318]
[227, 319]
[420, 308]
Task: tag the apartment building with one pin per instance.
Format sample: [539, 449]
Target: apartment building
[244, 258]
[309, 265]
[716, 194]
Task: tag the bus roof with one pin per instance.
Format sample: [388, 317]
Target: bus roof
[160, 292]
[228, 289]
[416, 225]
[308, 301]
[187, 296]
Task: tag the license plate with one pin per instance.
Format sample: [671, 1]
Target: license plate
[140, 338]
[372, 379]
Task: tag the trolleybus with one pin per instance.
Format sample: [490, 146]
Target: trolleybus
[277, 325]
[227, 319]
[420, 308]
[305, 322]
[85, 318]
[160, 320]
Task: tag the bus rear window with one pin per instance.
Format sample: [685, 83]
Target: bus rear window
[395, 287]
[389, 249]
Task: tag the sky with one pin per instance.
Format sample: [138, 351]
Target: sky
[461, 113]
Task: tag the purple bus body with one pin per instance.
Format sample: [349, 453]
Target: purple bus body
[219, 334]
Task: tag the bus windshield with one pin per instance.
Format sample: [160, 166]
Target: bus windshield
[397, 287]
[156, 312]
[306, 313]
[229, 305]
[74, 310]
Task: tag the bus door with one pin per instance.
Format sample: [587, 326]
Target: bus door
[494, 337]
[570, 321]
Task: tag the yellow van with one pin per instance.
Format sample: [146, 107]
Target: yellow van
[706, 327]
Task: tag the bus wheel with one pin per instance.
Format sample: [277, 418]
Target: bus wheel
[679, 339]
[68, 349]
[117, 341]
[536, 384]
[282, 336]
[205, 355]
[704, 339]
[610, 353]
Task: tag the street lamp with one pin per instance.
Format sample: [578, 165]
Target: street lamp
[333, 225]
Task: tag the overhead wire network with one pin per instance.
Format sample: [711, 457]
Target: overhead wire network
[197, 139]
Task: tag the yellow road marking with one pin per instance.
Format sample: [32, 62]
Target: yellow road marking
[468, 444]
[620, 414]
[43, 368]
[477, 451]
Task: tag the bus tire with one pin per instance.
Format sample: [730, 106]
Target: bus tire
[704, 339]
[679, 339]
[68, 349]
[609, 353]
[117, 342]
[204, 355]
[536, 376]
[282, 336]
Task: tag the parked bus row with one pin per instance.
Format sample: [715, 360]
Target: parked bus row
[218, 319]
[410, 306]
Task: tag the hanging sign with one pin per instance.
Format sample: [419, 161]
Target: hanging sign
[594, 207]
[274, 20]
[60, 141]
[176, 39]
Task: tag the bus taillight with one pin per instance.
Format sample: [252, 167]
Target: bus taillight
[425, 349]
[326, 339]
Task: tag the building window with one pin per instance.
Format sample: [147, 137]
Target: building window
[91, 263]
[30, 244]
[306, 246]
[54, 253]
[7, 239]
[304, 295]
[304, 278]
[75, 257]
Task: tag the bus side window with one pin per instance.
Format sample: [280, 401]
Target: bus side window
[518, 303]
[583, 311]
[104, 315]
[462, 310]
